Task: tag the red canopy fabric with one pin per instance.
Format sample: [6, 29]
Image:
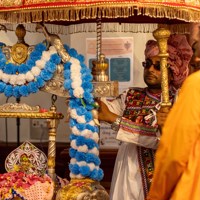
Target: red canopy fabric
[20, 11]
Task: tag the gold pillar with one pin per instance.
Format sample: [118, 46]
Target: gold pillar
[162, 35]
[52, 125]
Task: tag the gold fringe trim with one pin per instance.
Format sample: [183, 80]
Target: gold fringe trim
[177, 28]
[106, 27]
[90, 28]
[106, 10]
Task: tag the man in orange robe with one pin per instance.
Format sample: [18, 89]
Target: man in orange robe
[177, 166]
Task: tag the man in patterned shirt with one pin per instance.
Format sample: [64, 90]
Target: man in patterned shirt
[133, 116]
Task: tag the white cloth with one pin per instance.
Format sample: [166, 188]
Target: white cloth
[126, 180]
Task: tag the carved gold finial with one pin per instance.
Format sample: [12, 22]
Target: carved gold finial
[20, 33]
[19, 51]
[162, 35]
[102, 66]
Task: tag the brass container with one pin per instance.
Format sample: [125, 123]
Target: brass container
[82, 189]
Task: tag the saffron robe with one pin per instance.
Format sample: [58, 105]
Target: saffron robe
[177, 166]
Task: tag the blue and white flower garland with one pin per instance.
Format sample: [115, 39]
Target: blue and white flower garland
[24, 79]
[84, 151]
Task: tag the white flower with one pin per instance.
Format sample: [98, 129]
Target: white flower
[35, 71]
[76, 84]
[91, 166]
[73, 144]
[29, 76]
[83, 148]
[46, 56]
[86, 133]
[95, 137]
[1, 74]
[81, 163]
[73, 113]
[40, 64]
[92, 123]
[78, 92]
[75, 131]
[72, 175]
[5, 78]
[13, 79]
[52, 50]
[75, 67]
[76, 74]
[76, 78]
[94, 151]
[21, 79]
[79, 176]
[74, 61]
[73, 160]
[81, 119]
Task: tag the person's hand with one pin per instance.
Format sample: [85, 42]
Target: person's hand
[162, 115]
[104, 114]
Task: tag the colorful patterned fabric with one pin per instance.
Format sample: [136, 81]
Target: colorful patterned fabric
[139, 103]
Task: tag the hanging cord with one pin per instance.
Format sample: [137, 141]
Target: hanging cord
[18, 125]
[99, 38]
[6, 125]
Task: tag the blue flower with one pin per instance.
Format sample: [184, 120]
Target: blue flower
[2, 86]
[84, 170]
[32, 87]
[40, 47]
[40, 82]
[81, 58]
[73, 53]
[81, 110]
[35, 55]
[55, 58]
[10, 69]
[72, 152]
[8, 91]
[30, 63]
[23, 90]
[67, 66]
[67, 84]
[16, 93]
[67, 74]
[74, 168]
[23, 69]
[80, 156]
[46, 75]
[51, 67]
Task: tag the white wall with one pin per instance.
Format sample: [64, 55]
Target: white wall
[77, 41]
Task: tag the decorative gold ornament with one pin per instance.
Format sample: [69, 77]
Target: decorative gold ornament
[26, 158]
[82, 189]
[105, 89]
[24, 111]
[162, 35]
[102, 66]
[19, 53]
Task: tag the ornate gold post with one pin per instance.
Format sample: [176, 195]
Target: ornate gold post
[52, 124]
[162, 35]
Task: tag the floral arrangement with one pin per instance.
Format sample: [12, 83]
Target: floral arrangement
[23, 185]
[29, 77]
[84, 151]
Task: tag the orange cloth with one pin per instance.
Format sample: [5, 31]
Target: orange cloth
[177, 166]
